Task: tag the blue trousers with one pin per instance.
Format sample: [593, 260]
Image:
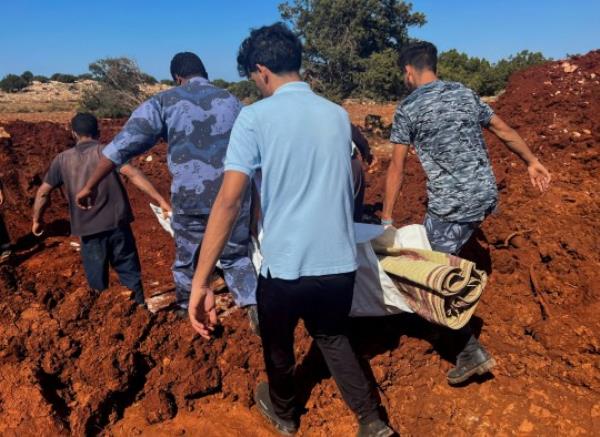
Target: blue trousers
[114, 248]
[238, 270]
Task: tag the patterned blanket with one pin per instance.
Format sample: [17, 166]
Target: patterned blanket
[441, 288]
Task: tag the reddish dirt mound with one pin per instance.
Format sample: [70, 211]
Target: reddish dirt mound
[72, 362]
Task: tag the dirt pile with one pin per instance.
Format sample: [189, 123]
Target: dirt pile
[72, 362]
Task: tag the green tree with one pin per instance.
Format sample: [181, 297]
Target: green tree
[64, 78]
[220, 83]
[27, 76]
[118, 90]
[41, 79]
[244, 90]
[11, 83]
[341, 38]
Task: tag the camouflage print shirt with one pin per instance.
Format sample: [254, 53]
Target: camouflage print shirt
[196, 120]
[443, 121]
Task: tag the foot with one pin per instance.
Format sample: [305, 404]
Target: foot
[265, 406]
[376, 428]
[252, 311]
[473, 359]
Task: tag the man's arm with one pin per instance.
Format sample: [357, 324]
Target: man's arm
[393, 181]
[1, 194]
[539, 175]
[42, 199]
[141, 181]
[140, 134]
[220, 224]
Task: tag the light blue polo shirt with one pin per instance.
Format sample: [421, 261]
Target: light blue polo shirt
[302, 144]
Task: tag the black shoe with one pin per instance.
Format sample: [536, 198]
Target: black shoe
[376, 428]
[473, 359]
[252, 311]
[265, 406]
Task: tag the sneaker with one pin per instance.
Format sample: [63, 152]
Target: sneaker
[252, 311]
[473, 359]
[265, 406]
[375, 428]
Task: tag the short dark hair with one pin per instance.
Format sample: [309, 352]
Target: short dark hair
[85, 125]
[187, 64]
[276, 47]
[421, 55]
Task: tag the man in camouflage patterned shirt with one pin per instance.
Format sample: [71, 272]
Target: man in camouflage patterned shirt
[443, 121]
[195, 118]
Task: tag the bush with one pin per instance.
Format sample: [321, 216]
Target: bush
[11, 83]
[380, 78]
[85, 76]
[149, 79]
[63, 78]
[27, 76]
[118, 91]
[244, 90]
[220, 83]
[41, 79]
[167, 82]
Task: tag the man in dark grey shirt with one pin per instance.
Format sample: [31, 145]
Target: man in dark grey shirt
[104, 228]
[443, 121]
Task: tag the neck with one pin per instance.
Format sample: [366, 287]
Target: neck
[278, 81]
[85, 140]
[426, 77]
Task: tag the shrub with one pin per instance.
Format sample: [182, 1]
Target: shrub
[41, 79]
[85, 76]
[12, 83]
[167, 82]
[27, 76]
[118, 91]
[220, 83]
[244, 90]
[63, 78]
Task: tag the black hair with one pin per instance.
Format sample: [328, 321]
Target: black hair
[85, 124]
[187, 64]
[276, 47]
[421, 55]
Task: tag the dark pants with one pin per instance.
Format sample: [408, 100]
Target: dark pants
[4, 238]
[358, 177]
[323, 302]
[117, 249]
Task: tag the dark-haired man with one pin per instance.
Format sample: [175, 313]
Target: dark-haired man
[195, 118]
[301, 142]
[104, 228]
[443, 121]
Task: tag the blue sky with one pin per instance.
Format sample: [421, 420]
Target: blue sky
[66, 35]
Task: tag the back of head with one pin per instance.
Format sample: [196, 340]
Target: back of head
[421, 55]
[85, 124]
[275, 47]
[186, 65]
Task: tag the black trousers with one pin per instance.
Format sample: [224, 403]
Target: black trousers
[323, 302]
[117, 249]
[4, 238]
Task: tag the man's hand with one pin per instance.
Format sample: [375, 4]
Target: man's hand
[1, 197]
[202, 310]
[166, 209]
[84, 198]
[37, 228]
[539, 175]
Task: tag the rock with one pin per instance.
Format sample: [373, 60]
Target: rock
[3, 133]
[149, 158]
[569, 68]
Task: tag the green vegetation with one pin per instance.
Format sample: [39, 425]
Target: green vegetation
[119, 89]
[11, 83]
[64, 78]
[351, 47]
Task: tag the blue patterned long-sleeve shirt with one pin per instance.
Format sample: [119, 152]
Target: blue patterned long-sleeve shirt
[196, 120]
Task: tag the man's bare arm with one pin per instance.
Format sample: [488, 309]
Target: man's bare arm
[220, 223]
[42, 200]
[393, 180]
[84, 197]
[539, 175]
[140, 180]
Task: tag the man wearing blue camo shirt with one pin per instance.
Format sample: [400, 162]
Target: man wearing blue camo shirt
[443, 121]
[195, 118]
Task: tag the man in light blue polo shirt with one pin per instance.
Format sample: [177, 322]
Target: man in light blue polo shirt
[301, 143]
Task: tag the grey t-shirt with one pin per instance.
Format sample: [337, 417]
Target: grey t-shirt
[111, 208]
[443, 121]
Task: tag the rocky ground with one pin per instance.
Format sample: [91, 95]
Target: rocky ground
[72, 362]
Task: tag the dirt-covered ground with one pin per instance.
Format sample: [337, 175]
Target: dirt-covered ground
[72, 362]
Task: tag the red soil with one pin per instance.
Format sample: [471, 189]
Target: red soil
[75, 363]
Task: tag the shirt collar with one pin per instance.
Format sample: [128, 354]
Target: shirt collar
[198, 79]
[292, 86]
[86, 144]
